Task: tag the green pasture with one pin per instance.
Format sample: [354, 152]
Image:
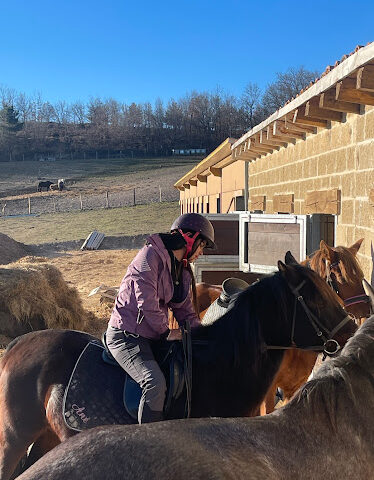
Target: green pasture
[63, 227]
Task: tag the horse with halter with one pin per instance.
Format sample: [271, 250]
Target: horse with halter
[233, 362]
[339, 267]
[326, 431]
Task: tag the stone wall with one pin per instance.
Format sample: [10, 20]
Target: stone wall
[340, 157]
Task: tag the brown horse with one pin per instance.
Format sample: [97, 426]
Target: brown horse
[232, 370]
[326, 432]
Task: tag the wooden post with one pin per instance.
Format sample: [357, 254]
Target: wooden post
[3, 209]
[134, 198]
[107, 199]
[29, 201]
[80, 200]
[160, 193]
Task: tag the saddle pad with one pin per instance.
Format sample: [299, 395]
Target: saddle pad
[94, 395]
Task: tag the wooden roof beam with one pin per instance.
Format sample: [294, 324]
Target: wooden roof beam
[328, 102]
[289, 124]
[263, 149]
[265, 141]
[312, 109]
[180, 187]
[202, 178]
[279, 128]
[300, 118]
[192, 182]
[217, 172]
[365, 78]
[283, 137]
[346, 91]
[187, 185]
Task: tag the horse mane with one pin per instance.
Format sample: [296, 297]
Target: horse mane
[342, 375]
[348, 264]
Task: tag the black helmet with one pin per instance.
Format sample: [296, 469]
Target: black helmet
[195, 222]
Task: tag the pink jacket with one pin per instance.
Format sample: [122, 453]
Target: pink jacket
[145, 294]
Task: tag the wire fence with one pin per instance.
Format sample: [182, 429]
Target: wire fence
[65, 202]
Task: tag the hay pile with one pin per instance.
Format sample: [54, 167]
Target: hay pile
[35, 296]
[10, 250]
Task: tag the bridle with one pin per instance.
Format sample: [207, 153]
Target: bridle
[332, 282]
[330, 346]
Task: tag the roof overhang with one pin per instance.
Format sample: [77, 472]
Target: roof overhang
[347, 86]
[222, 155]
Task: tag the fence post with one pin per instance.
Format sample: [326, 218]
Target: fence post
[107, 199]
[160, 193]
[80, 200]
[29, 201]
[134, 198]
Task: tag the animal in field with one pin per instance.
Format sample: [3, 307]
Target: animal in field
[326, 431]
[60, 184]
[54, 187]
[44, 184]
[233, 366]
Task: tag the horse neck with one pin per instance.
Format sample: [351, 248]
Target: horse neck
[237, 361]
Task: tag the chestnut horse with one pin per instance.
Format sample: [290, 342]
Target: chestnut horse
[232, 369]
[326, 432]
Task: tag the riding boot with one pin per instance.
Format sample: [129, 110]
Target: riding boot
[148, 416]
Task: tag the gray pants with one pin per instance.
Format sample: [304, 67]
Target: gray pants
[135, 356]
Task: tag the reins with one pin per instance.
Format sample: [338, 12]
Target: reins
[330, 345]
[187, 357]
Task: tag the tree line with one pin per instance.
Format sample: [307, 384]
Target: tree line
[31, 127]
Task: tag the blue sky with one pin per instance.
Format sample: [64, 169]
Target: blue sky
[141, 50]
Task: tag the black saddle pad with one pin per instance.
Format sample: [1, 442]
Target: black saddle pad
[94, 395]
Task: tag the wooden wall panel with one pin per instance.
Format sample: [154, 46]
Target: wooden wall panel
[258, 202]
[323, 201]
[283, 203]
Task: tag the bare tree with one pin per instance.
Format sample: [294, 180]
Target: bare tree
[286, 86]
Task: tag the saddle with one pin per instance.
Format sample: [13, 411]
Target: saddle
[100, 392]
[231, 288]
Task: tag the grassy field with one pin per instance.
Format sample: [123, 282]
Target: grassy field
[62, 227]
[18, 178]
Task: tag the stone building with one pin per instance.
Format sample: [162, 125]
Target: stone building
[315, 156]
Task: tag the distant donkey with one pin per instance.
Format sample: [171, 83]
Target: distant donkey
[46, 184]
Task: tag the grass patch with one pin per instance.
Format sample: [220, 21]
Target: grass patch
[61, 227]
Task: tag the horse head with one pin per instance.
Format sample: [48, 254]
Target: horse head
[340, 268]
[319, 306]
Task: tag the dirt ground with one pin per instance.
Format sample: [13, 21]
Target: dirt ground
[86, 270]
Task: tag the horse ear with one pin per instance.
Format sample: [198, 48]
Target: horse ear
[282, 267]
[290, 259]
[327, 251]
[356, 246]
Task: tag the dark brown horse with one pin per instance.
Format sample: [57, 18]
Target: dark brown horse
[231, 373]
[326, 432]
[297, 364]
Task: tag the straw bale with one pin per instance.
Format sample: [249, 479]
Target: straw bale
[10, 250]
[34, 297]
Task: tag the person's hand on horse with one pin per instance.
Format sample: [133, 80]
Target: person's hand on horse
[174, 334]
